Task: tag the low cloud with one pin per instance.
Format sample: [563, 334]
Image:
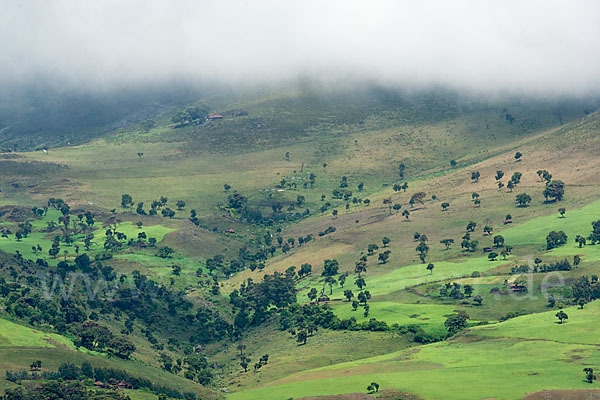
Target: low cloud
[538, 46]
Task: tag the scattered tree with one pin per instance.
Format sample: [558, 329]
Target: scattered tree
[523, 199]
[447, 243]
[126, 201]
[554, 190]
[456, 322]
[373, 387]
[590, 377]
[562, 316]
[556, 239]
[430, 268]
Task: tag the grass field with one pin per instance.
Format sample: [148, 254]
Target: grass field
[533, 232]
[20, 345]
[364, 142]
[412, 275]
[430, 316]
[15, 335]
[528, 351]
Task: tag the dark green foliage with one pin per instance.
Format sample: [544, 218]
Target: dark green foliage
[126, 201]
[562, 316]
[554, 190]
[590, 377]
[523, 199]
[555, 239]
[456, 322]
[57, 389]
[275, 290]
[330, 268]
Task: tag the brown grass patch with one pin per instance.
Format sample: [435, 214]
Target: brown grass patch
[581, 394]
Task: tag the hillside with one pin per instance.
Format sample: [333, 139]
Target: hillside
[177, 240]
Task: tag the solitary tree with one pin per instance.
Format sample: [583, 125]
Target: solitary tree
[590, 377]
[348, 294]
[471, 226]
[430, 268]
[373, 387]
[555, 239]
[562, 316]
[405, 214]
[372, 248]
[447, 242]
[468, 290]
[35, 366]
[554, 190]
[445, 206]
[422, 249]
[456, 322]
[510, 185]
[523, 199]
[302, 336]
[498, 241]
[475, 176]
[516, 178]
[383, 257]
[562, 212]
[518, 156]
[126, 201]
[244, 363]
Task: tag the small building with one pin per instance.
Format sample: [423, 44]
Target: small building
[214, 116]
[229, 230]
[517, 288]
[125, 385]
[508, 221]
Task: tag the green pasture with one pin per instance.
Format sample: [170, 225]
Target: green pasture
[16, 335]
[430, 316]
[529, 352]
[580, 328]
[533, 232]
[410, 275]
[35, 238]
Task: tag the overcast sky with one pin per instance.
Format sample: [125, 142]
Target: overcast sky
[532, 46]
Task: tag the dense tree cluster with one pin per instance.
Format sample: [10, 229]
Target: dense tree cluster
[64, 384]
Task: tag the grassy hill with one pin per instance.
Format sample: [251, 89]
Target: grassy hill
[533, 352]
[282, 170]
[22, 345]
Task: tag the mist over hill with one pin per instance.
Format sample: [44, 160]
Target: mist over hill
[339, 199]
[34, 117]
